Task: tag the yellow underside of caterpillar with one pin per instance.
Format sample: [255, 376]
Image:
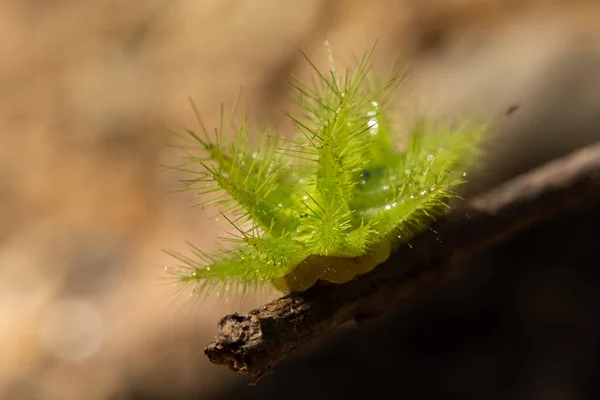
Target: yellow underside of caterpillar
[331, 269]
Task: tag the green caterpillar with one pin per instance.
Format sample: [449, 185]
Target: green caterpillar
[333, 201]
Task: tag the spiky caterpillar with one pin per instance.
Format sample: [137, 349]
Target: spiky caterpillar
[332, 202]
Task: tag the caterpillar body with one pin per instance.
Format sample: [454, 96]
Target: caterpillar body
[333, 201]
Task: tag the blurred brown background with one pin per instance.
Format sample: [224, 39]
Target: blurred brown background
[86, 89]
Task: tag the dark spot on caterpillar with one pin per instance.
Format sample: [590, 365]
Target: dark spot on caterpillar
[511, 109]
[367, 174]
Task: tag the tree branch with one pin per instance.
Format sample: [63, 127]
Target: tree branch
[254, 343]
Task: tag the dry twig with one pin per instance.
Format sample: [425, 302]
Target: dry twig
[254, 343]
